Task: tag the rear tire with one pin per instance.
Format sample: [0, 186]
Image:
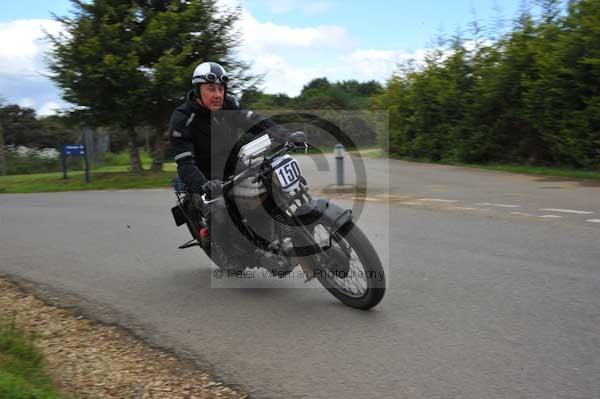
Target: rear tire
[194, 227]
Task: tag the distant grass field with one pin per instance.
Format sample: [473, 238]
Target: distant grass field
[99, 180]
[117, 175]
[104, 178]
[22, 374]
[114, 175]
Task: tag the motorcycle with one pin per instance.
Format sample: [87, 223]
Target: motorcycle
[315, 234]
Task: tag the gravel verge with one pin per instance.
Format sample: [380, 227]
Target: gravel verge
[90, 360]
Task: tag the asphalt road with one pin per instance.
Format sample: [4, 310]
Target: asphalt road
[494, 287]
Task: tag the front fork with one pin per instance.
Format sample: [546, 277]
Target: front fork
[310, 213]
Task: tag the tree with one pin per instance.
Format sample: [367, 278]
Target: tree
[530, 96]
[20, 126]
[2, 153]
[575, 70]
[317, 84]
[174, 37]
[126, 63]
[255, 99]
[96, 66]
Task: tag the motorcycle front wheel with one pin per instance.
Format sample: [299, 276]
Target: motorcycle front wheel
[348, 266]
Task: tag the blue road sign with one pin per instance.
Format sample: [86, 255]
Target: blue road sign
[77, 150]
[73, 149]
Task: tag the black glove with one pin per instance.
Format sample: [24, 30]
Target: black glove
[298, 138]
[197, 201]
[213, 188]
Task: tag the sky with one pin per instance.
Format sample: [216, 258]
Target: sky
[289, 42]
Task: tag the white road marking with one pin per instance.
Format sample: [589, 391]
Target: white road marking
[366, 199]
[593, 220]
[550, 217]
[393, 196]
[465, 208]
[498, 205]
[521, 213]
[131, 190]
[566, 211]
[437, 200]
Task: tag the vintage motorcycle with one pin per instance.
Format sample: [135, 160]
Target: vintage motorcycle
[314, 234]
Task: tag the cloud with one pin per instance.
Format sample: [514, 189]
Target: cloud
[23, 46]
[49, 108]
[269, 36]
[306, 7]
[26, 102]
[289, 57]
[378, 64]
[22, 66]
[282, 77]
[361, 65]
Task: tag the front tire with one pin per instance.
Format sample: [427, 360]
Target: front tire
[360, 283]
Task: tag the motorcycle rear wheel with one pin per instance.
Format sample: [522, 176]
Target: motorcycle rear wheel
[194, 227]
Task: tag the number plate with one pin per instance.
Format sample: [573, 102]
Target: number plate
[288, 173]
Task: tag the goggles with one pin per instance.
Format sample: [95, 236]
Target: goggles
[213, 78]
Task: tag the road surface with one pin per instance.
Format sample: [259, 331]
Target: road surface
[494, 287]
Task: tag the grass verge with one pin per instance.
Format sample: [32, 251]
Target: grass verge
[522, 169]
[52, 182]
[118, 176]
[89, 360]
[110, 177]
[540, 171]
[22, 374]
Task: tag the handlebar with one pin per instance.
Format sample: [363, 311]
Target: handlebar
[278, 151]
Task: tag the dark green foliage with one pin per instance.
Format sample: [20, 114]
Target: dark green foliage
[21, 126]
[28, 164]
[255, 99]
[318, 94]
[532, 96]
[328, 99]
[126, 63]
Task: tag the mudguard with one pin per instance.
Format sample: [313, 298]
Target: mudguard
[324, 212]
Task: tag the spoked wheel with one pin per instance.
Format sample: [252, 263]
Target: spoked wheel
[349, 266]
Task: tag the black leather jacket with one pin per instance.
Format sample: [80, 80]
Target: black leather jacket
[202, 139]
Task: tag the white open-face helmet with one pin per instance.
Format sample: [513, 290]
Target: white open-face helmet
[209, 72]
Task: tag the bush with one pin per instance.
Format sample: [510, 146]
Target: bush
[23, 160]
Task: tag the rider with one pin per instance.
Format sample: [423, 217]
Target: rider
[200, 160]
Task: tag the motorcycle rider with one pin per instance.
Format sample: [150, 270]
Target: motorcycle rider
[202, 138]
